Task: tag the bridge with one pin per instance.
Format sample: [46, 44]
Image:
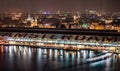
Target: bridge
[67, 39]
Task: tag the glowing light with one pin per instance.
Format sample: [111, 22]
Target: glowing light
[67, 56]
[61, 52]
[78, 57]
[39, 53]
[97, 63]
[91, 54]
[119, 55]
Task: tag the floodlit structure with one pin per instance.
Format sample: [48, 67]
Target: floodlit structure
[60, 38]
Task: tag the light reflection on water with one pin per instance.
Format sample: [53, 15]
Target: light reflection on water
[13, 58]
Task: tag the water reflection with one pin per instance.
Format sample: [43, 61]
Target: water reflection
[13, 58]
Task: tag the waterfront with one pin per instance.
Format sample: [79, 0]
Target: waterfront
[22, 58]
[57, 35]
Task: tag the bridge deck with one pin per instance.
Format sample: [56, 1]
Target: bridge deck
[63, 31]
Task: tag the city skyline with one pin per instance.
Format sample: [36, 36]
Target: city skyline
[62, 5]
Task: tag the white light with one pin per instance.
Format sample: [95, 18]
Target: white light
[97, 63]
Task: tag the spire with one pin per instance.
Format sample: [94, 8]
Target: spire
[29, 18]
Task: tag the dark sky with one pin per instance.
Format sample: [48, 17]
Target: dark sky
[63, 5]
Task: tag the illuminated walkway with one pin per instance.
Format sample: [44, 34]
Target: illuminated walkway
[67, 39]
[70, 47]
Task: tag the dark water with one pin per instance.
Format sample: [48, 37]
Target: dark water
[21, 58]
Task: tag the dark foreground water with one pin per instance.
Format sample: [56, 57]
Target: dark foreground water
[21, 58]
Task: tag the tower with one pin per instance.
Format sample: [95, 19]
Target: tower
[35, 21]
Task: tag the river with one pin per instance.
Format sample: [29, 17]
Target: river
[22, 58]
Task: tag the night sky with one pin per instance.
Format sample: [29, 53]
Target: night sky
[62, 5]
